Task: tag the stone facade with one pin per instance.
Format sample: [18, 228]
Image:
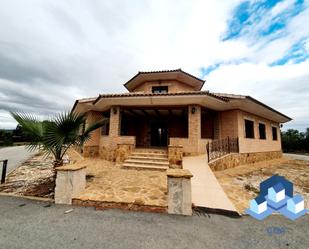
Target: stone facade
[91, 151]
[234, 160]
[70, 181]
[179, 191]
[175, 154]
[123, 151]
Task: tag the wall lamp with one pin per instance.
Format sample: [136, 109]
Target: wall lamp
[115, 110]
[193, 110]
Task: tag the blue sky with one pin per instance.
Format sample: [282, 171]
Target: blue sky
[55, 51]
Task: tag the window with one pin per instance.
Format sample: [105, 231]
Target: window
[160, 89]
[274, 131]
[249, 128]
[262, 131]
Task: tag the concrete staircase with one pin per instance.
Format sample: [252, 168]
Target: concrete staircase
[147, 159]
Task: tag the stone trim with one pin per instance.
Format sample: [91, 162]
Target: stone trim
[101, 205]
[179, 173]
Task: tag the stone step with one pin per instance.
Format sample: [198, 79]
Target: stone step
[151, 151]
[155, 159]
[145, 154]
[147, 162]
[128, 165]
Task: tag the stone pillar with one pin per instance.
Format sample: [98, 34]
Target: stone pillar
[194, 124]
[179, 191]
[70, 181]
[175, 154]
[115, 122]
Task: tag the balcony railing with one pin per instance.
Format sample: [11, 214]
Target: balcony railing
[220, 147]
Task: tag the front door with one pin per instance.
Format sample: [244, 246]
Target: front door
[159, 134]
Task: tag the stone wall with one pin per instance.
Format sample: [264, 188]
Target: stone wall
[179, 191]
[109, 145]
[175, 154]
[123, 151]
[91, 151]
[234, 160]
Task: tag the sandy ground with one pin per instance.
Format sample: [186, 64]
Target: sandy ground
[241, 184]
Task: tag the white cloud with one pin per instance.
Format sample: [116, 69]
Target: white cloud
[53, 51]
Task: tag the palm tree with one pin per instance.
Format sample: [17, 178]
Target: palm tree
[56, 136]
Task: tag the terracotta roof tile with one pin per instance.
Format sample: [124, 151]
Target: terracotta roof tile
[141, 94]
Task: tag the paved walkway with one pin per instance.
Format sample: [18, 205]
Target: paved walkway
[206, 190]
[28, 224]
[296, 156]
[16, 155]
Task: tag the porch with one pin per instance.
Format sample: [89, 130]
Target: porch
[190, 126]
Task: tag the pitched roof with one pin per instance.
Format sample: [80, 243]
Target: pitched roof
[141, 94]
[278, 187]
[297, 199]
[243, 97]
[176, 74]
[260, 199]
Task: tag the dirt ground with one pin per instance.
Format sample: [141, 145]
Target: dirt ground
[35, 177]
[241, 184]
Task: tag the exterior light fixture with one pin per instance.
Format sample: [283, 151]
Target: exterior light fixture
[115, 110]
[193, 110]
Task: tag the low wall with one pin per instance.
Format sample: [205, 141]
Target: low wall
[123, 151]
[91, 151]
[109, 145]
[234, 160]
[190, 147]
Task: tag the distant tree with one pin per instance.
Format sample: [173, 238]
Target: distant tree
[293, 140]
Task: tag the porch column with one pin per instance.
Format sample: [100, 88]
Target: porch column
[194, 124]
[115, 121]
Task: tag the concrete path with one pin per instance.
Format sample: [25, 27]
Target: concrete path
[296, 156]
[26, 224]
[206, 190]
[16, 155]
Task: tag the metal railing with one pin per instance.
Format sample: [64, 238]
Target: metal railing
[4, 167]
[220, 147]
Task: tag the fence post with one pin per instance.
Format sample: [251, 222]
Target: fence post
[5, 163]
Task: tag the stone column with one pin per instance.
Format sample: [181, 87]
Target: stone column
[70, 181]
[179, 191]
[194, 124]
[115, 122]
[175, 154]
